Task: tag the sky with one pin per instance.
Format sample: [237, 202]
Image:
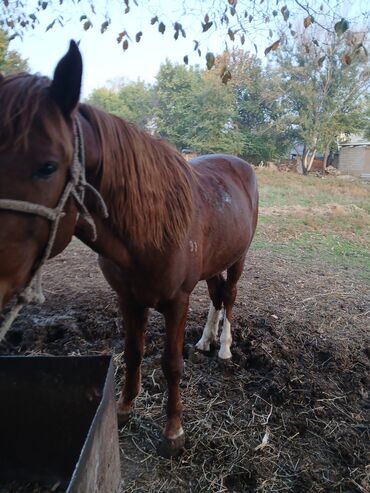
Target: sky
[105, 60]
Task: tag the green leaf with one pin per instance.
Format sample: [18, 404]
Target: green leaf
[210, 58]
[242, 39]
[44, 5]
[83, 17]
[125, 45]
[138, 36]
[153, 20]
[186, 59]
[341, 27]
[161, 27]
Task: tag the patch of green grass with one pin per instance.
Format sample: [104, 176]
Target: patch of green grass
[285, 189]
[311, 246]
[337, 235]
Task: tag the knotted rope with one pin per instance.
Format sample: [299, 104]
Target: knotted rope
[76, 188]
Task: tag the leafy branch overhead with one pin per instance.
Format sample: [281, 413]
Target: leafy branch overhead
[234, 21]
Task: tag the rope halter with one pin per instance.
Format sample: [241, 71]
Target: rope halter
[76, 188]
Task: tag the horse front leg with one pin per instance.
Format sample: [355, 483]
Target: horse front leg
[135, 320]
[175, 314]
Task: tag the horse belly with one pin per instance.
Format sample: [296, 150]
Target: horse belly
[227, 240]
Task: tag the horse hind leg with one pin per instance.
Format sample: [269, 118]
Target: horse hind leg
[229, 294]
[215, 288]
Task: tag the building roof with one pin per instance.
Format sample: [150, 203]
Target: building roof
[354, 141]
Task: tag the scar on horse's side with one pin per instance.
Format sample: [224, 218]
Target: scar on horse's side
[170, 225]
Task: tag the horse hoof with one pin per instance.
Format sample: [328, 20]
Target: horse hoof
[171, 447]
[225, 354]
[123, 419]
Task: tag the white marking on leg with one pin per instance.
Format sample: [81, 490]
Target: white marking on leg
[210, 330]
[225, 340]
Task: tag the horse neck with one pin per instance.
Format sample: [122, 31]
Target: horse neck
[147, 185]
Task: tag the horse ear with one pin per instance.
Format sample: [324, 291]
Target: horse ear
[66, 86]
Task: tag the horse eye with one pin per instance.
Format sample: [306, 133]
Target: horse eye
[45, 171]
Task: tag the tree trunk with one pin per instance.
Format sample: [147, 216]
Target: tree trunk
[311, 160]
[325, 160]
[303, 167]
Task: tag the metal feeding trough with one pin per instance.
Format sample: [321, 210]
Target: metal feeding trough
[58, 425]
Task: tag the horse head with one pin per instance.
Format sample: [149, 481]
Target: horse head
[36, 154]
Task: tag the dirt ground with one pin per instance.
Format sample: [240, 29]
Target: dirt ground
[290, 412]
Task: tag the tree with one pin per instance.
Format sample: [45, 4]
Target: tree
[256, 95]
[132, 101]
[195, 110]
[176, 87]
[324, 87]
[216, 126]
[10, 60]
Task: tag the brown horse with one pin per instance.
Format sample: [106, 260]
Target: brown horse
[170, 224]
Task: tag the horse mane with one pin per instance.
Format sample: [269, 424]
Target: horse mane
[24, 102]
[146, 183]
